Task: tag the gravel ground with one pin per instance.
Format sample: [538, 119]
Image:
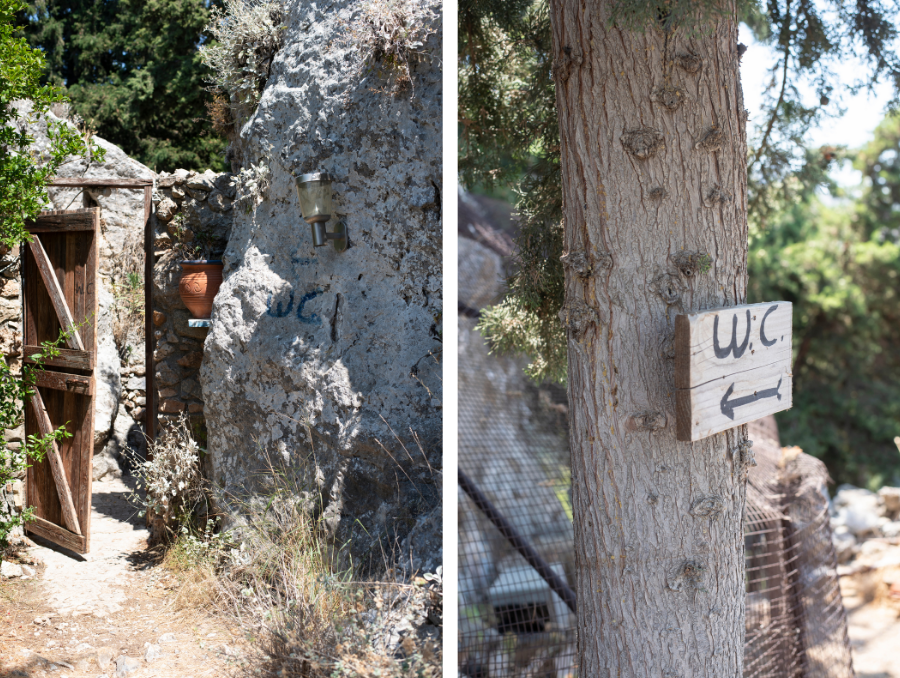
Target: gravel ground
[108, 613]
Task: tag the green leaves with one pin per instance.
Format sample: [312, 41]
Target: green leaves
[14, 390]
[843, 281]
[133, 71]
[24, 170]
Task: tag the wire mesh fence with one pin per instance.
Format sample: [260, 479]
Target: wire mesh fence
[516, 560]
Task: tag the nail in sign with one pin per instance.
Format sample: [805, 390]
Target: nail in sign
[732, 366]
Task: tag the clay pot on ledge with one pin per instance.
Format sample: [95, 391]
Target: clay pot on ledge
[200, 280]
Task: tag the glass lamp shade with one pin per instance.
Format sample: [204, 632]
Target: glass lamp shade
[314, 191]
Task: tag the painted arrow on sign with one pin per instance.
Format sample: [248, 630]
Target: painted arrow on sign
[729, 405]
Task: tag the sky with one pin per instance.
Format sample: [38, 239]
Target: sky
[853, 129]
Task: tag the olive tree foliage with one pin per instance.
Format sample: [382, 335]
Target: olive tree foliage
[509, 134]
[24, 176]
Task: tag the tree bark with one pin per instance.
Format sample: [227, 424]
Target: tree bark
[653, 144]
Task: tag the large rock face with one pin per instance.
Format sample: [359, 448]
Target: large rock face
[329, 360]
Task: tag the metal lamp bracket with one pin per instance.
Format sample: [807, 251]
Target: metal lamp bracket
[320, 236]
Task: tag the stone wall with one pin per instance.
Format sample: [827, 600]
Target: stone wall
[331, 361]
[195, 203]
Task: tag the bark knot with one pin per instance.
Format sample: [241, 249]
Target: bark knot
[603, 260]
[643, 142]
[562, 67]
[688, 575]
[647, 420]
[711, 140]
[578, 263]
[689, 63]
[577, 317]
[669, 287]
[657, 193]
[717, 196]
[691, 263]
[668, 96]
[707, 507]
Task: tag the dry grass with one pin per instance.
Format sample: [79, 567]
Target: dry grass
[127, 281]
[219, 110]
[389, 35]
[277, 576]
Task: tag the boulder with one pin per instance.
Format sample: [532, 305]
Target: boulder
[203, 182]
[480, 274]
[108, 390]
[197, 193]
[136, 384]
[890, 496]
[126, 438]
[218, 202]
[166, 274]
[166, 209]
[225, 184]
[103, 466]
[859, 510]
[845, 544]
[198, 216]
[346, 343]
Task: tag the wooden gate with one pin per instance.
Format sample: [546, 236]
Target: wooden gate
[60, 269]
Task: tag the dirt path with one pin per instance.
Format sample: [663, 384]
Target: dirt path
[109, 613]
[874, 629]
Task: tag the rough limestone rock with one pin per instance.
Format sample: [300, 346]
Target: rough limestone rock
[891, 498]
[125, 435]
[342, 347]
[199, 216]
[860, 510]
[108, 385]
[166, 209]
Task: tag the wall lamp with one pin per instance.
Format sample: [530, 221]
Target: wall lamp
[314, 191]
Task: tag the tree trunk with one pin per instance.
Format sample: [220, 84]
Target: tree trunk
[653, 143]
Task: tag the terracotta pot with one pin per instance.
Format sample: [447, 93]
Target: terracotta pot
[200, 280]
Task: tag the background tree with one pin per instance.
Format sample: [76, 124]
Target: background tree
[653, 162]
[133, 71]
[840, 266]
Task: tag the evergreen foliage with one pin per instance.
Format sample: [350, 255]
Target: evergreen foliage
[24, 173]
[840, 266]
[133, 71]
[509, 134]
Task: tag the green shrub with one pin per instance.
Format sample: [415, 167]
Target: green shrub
[247, 34]
[14, 391]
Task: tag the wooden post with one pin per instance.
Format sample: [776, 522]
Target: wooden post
[150, 368]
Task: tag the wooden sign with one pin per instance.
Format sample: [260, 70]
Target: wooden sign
[732, 366]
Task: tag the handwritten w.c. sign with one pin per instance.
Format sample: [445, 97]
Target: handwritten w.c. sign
[732, 365]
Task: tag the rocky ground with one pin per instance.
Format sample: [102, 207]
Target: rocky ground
[866, 528]
[110, 613]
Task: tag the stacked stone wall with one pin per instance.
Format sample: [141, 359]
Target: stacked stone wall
[190, 203]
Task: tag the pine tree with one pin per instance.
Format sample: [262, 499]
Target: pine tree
[650, 173]
[133, 71]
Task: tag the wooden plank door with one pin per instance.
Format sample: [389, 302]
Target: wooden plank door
[60, 270]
